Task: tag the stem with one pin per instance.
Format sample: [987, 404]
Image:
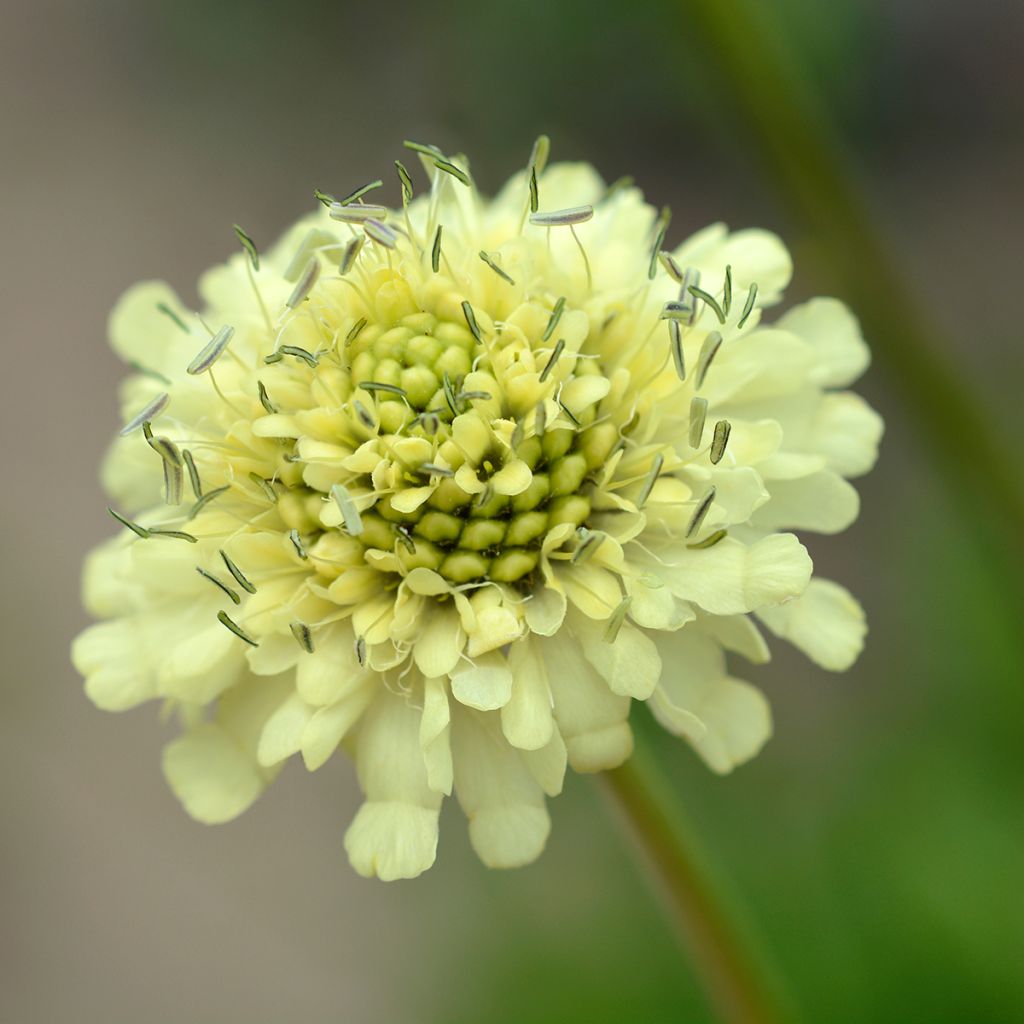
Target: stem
[734, 982]
[794, 136]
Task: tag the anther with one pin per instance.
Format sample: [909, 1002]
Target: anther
[150, 412]
[357, 214]
[139, 531]
[265, 398]
[675, 336]
[707, 297]
[348, 257]
[435, 251]
[265, 486]
[556, 315]
[173, 477]
[305, 283]
[748, 306]
[652, 478]
[324, 197]
[361, 644]
[449, 168]
[193, 473]
[381, 233]
[660, 230]
[360, 192]
[173, 534]
[205, 500]
[474, 327]
[432, 469]
[589, 542]
[347, 506]
[699, 513]
[534, 195]
[240, 579]
[472, 396]
[709, 541]
[235, 628]
[721, 438]
[403, 176]
[708, 351]
[676, 310]
[212, 351]
[425, 149]
[539, 154]
[303, 636]
[494, 266]
[449, 394]
[668, 261]
[552, 359]
[616, 619]
[391, 389]
[727, 290]
[698, 413]
[233, 594]
[540, 419]
[300, 549]
[249, 246]
[354, 332]
[168, 312]
[363, 415]
[298, 353]
[562, 218]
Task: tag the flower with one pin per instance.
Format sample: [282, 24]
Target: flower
[452, 485]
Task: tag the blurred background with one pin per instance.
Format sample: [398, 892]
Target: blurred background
[878, 840]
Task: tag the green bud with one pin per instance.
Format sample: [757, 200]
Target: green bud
[525, 527]
[557, 442]
[440, 527]
[567, 474]
[539, 489]
[573, 508]
[481, 534]
[463, 566]
[513, 564]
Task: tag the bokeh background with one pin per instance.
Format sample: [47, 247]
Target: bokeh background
[878, 842]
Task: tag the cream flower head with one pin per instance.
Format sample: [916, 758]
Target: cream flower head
[452, 485]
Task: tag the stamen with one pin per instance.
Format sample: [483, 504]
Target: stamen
[589, 542]
[233, 594]
[205, 499]
[193, 473]
[668, 261]
[173, 477]
[556, 315]
[485, 496]
[727, 290]
[381, 233]
[360, 192]
[494, 266]
[300, 550]
[562, 218]
[518, 433]
[435, 252]
[373, 385]
[467, 312]
[700, 512]
[676, 310]
[303, 636]
[449, 168]
[709, 541]
[361, 640]
[357, 214]
[324, 197]
[748, 306]
[299, 353]
[363, 415]
[660, 230]
[265, 486]
[139, 531]
[237, 573]
[212, 352]
[721, 438]
[305, 283]
[616, 619]
[698, 413]
[403, 176]
[552, 359]
[348, 257]
[274, 357]
[401, 532]
[534, 196]
[265, 398]
[347, 507]
[430, 422]
[449, 394]
[423, 148]
[690, 277]
[540, 419]
[173, 534]
[472, 396]
[356, 328]
[708, 351]
[539, 154]
[249, 246]
[226, 620]
[432, 469]
[150, 412]
[675, 334]
[699, 293]
[168, 312]
[652, 477]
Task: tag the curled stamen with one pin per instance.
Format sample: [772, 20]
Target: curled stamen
[300, 549]
[589, 542]
[172, 462]
[324, 197]
[708, 351]
[303, 636]
[676, 310]
[702, 509]
[305, 284]
[205, 500]
[721, 438]
[660, 230]
[698, 413]
[249, 246]
[668, 261]
[150, 412]
[494, 266]
[212, 351]
[357, 214]
[435, 251]
[430, 422]
[391, 389]
[232, 593]
[347, 506]
[748, 306]
[424, 149]
[449, 394]
[552, 359]
[562, 218]
[467, 312]
[224, 619]
[139, 531]
[360, 192]
[265, 398]
[298, 353]
[652, 478]
[709, 541]
[406, 180]
[707, 297]
[449, 168]
[675, 336]
[616, 619]
[348, 257]
[193, 473]
[173, 534]
[354, 332]
[265, 486]
[361, 644]
[240, 579]
[556, 315]
[381, 233]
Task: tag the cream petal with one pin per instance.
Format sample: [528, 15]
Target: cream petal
[332, 670]
[847, 431]
[526, 719]
[495, 626]
[513, 478]
[656, 607]
[630, 664]
[282, 734]
[435, 736]
[822, 502]
[485, 683]
[508, 821]
[835, 334]
[545, 610]
[826, 622]
[141, 334]
[114, 659]
[439, 645]
[411, 498]
[394, 834]
[329, 725]
[548, 763]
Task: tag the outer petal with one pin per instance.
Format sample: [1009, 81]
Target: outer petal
[394, 834]
[833, 330]
[823, 502]
[526, 719]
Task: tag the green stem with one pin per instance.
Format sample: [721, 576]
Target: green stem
[735, 983]
[792, 133]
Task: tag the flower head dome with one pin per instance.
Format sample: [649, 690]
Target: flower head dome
[452, 485]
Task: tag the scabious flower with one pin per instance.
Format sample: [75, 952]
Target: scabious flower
[450, 486]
